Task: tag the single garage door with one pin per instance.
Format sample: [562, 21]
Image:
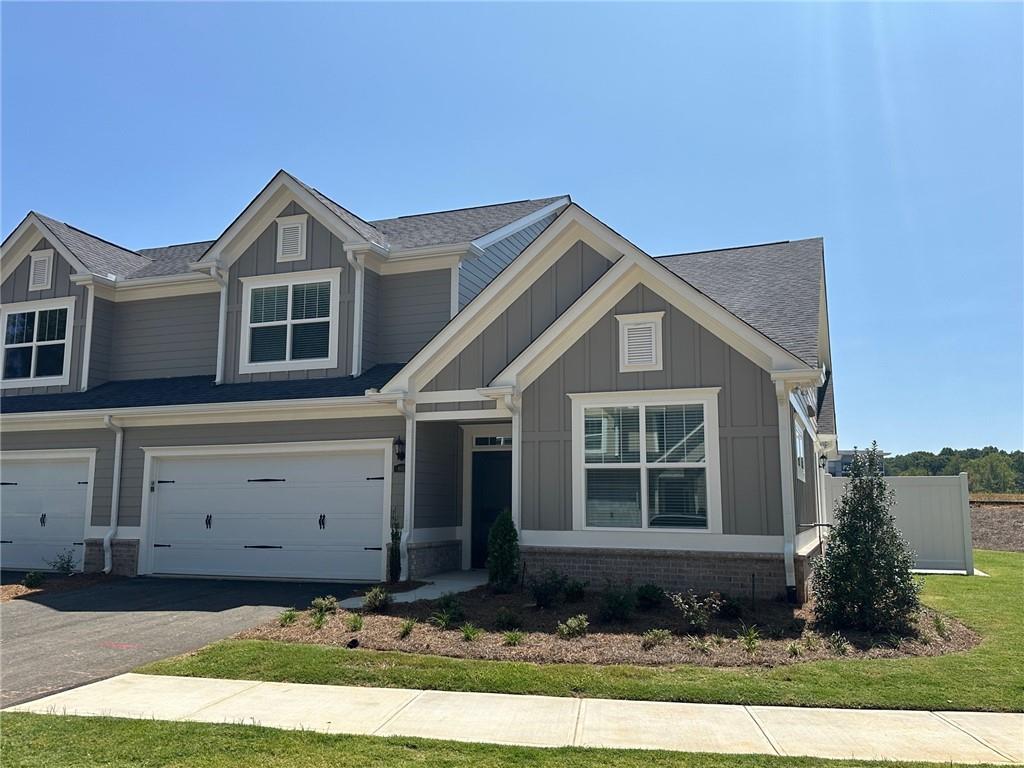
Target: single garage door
[43, 506]
[291, 515]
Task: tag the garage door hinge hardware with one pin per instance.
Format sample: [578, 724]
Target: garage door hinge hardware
[263, 546]
[164, 482]
[6, 541]
[376, 478]
[266, 480]
[78, 543]
[323, 522]
[373, 549]
[209, 522]
[6, 482]
[161, 546]
[42, 520]
[83, 482]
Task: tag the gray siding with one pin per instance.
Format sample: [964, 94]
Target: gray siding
[229, 434]
[475, 274]
[15, 289]
[437, 475]
[101, 439]
[528, 316]
[413, 307]
[693, 357]
[323, 250]
[155, 338]
[371, 318]
[102, 341]
[804, 491]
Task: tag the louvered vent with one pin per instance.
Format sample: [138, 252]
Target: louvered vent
[640, 345]
[39, 272]
[291, 238]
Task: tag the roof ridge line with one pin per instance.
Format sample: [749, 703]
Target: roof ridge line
[94, 237]
[176, 245]
[469, 208]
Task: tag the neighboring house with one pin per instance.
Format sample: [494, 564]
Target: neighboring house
[840, 466]
[273, 402]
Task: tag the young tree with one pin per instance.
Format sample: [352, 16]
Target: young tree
[993, 472]
[503, 553]
[863, 580]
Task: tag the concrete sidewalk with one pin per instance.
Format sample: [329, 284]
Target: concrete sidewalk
[545, 721]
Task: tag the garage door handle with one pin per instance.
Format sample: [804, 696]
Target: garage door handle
[6, 541]
[322, 522]
[7, 483]
[42, 520]
[373, 549]
[376, 478]
[209, 522]
[263, 546]
[161, 546]
[266, 480]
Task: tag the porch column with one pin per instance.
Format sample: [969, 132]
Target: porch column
[513, 402]
[782, 390]
[408, 409]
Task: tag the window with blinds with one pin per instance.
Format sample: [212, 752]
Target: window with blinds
[291, 238]
[645, 466]
[289, 322]
[640, 342]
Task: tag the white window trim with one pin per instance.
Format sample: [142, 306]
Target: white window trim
[284, 221]
[333, 276]
[641, 318]
[44, 255]
[799, 451]
[67, 303]
[706, 396]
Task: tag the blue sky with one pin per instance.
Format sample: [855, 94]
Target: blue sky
[893, 131]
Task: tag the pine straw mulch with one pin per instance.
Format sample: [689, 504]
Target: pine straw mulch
[781, 628]
[998, 527]
[53, 583]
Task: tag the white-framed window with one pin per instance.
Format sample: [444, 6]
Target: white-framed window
[291, 237]
[290, 322]
[798, 445]
[40, 270]
[640, 341]
[647, 460]
[37, 342]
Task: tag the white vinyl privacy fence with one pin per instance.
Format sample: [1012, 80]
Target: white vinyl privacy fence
[933, 513]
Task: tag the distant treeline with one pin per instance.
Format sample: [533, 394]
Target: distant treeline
[988, 469]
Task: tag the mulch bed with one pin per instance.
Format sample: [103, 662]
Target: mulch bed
[780, 626]
[998, 527]
[54, 584]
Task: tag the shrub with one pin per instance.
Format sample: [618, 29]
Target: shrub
[512, 638]
[652, 638]
[574, 626]
[395, 556]
[574, 590]
[377, 600]
[64, 563]
[354, 622]
[793, 649]
[506, 618]
[940, 627]
[470, 632]
[546, 588]
[811, 641]
[617, 604]
[33, 580]
[325, 604]
[405, 628]
[288, 617]
[699, 644]
[451, 604]
[731, 608]
[444, 619]
[717, 640]
[697, 611]
[838, 644]
[649, 597]
[863, 579]
[317, 619]
[503, 554]
[749, 638]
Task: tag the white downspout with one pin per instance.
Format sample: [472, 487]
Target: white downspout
[222, 321]
[408, 409]
[115, 493]
[357, 314]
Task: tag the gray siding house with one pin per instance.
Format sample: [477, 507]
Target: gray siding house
[275, 402]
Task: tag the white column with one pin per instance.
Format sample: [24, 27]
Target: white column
[788, 489]
[514, 402]
[408, 409]
[357, 314]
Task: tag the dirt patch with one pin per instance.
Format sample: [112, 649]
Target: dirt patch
[997, 498]
[785, 635]
[998, 527]
[53, 584]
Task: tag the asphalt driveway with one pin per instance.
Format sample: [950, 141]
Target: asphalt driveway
[50, 643]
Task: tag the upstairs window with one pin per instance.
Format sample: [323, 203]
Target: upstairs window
[37, 343]
[40, 270]
[640, 342]
[291, 238]
[290, 322]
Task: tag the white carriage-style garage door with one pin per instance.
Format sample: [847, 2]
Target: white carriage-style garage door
[44, 503]
[310, 511]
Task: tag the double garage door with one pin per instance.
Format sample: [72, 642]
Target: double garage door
[294, 514]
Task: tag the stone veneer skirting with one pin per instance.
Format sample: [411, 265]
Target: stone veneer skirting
[733, 573]
[430, 557]
[124, 555]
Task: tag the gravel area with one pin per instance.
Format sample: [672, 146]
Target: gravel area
[998, 526]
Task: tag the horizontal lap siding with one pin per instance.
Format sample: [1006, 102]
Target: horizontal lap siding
[693, 357]
[371, 318]
[437, 474]
[157, 338]
[413, 307]
[102, 341]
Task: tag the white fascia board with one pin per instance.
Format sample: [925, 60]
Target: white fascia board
[161, 286]
[441, 260]
[573, 224]
[21, 241]
[485, 242]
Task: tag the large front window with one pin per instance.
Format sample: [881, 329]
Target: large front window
[645, 465]
[37, 340]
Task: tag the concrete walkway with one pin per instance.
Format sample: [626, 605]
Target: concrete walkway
[545, 721]
[439, 584]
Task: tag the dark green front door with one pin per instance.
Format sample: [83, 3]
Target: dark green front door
[492, 495]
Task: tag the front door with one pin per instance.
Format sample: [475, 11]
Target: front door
[492, 495]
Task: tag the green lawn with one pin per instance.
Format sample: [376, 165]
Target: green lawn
[989, 677]
[35, 741]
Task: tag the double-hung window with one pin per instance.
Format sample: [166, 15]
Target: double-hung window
[37, 343]
[290, 322]
[647, 460]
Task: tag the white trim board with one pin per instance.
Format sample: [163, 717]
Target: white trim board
[469, 434]
[42, 305]
[17, 246]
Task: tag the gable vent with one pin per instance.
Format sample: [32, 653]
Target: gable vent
[40, 268]
[640, 342]
[291, 238]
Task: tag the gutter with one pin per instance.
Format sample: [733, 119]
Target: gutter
[115, 493]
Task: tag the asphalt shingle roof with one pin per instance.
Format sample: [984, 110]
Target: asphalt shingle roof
[364, 228]
[188, 390]
[171, 259]
[775, 288]
[100, 256]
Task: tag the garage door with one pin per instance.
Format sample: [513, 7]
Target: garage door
[43, 505]
[292, 515]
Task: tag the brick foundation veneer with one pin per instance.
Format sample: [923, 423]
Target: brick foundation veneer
[428, 558]
[727, 572]
[124, 555]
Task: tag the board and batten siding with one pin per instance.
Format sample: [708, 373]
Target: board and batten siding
[15, 290]
[528, 316]
[323, 251]
[437, 475]
[157, 338]
[411, 308]
[476, 274]
[693, 357]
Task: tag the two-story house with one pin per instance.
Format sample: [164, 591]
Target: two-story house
[274, 402]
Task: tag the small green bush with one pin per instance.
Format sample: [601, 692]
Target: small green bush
[793, 649]
[546, 588]
[699, 644]
[64, 563]
[451, 604]
[317, 619]
[652, 638]
[838, 644]
[574, 626]
[574, 591]
[810, 641]
[444, 619]
[749, 638]
[325, 604]
[377, 600]
[717, 640]
[506, 618]
[617, 605]
[354, 622]
[697, 611]
[33, 580]
[470, 632]
[405, 628]
[512, 638]
[940, 627]
[288, 617]
[395, 556]
[649, 597]
[731, 608]
[503, 554]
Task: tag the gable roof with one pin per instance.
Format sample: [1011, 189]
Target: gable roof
[99, 256]
[775, 288]
[171, 259]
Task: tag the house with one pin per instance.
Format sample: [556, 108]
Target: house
[273, 402]
[840, 466]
